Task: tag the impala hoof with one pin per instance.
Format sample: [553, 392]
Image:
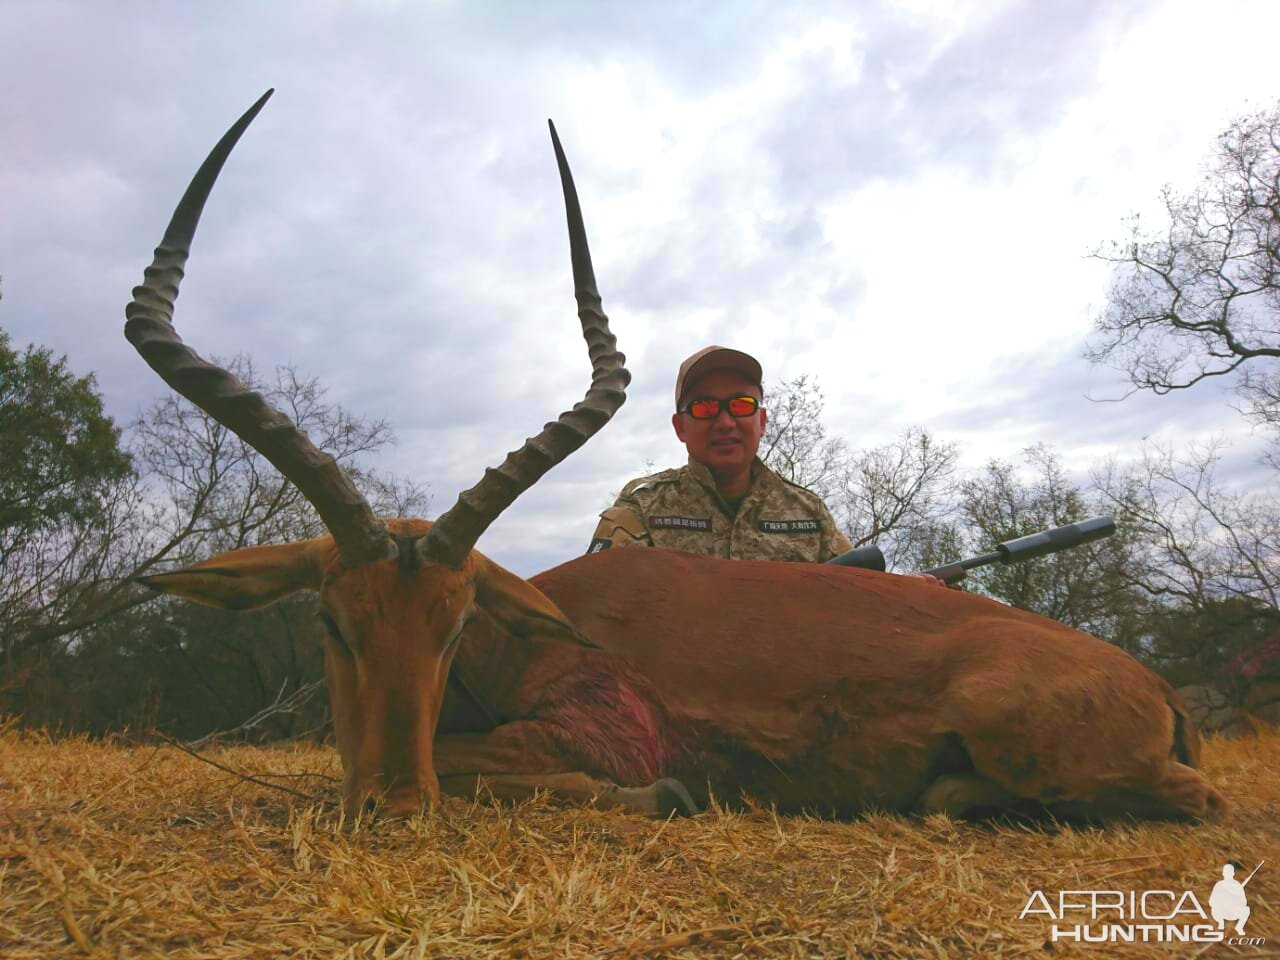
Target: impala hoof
[674, 799]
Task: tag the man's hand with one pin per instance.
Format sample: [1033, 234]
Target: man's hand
[929, 577]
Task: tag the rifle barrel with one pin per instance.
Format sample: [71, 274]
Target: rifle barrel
[1029, 547]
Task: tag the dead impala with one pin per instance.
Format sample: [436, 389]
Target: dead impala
[621, 675]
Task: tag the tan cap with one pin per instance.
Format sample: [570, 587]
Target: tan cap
[716, 358]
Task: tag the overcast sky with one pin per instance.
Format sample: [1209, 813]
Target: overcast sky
[896, 199]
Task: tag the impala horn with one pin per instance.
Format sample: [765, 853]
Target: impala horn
[361, 537]
[454, 534]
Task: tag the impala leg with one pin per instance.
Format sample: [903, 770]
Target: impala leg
[519, 747]
[1180, 793]
[958, 794]
[518, 759]
[659, 799]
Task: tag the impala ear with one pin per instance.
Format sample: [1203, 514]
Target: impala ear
[248, 578]
[518, 605]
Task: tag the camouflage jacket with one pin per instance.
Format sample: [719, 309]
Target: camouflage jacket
[680, 509]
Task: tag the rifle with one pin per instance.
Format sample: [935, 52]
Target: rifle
[1011, 551]
[1250, 876]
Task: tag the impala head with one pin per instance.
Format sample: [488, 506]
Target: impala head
[394, 594]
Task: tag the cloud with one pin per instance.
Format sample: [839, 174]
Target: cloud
[884, 196]
[1086, 413]
[909, 96]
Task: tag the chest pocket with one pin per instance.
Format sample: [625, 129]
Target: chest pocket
[687, 534]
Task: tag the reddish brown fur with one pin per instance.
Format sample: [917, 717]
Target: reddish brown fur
[808, 686]
[386, 662]
[838, 687]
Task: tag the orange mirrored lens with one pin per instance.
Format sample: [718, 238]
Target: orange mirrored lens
[709, 409]
[704, 409]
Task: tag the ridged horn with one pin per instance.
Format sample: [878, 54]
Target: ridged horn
[360, 536]
[456, 531]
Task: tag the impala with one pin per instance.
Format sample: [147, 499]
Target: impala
[650, 680]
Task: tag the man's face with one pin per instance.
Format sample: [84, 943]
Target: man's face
[725, 443]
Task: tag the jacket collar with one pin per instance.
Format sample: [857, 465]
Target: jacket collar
[700, 472]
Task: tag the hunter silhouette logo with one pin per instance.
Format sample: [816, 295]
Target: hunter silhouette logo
[1148, 916]
[1228, 900]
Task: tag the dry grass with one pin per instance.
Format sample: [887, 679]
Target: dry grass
[117, 851]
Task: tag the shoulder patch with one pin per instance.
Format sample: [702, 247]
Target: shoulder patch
[621, 518]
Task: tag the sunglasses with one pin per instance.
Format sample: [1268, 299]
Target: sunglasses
[704, 408]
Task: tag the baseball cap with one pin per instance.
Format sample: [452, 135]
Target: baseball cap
[716, 358]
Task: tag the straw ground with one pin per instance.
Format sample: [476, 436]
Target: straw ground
[118, 850]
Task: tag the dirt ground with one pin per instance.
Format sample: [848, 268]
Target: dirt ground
[118, 850]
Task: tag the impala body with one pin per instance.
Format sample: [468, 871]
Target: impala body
[842, 689]
[622, 676]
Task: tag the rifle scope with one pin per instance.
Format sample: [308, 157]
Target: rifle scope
[1011, 551]
[1031, 546]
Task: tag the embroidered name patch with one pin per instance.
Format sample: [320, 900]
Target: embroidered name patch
[598, 544]
[680, 523]
[790, 526]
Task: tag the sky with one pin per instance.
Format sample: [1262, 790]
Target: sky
[898, 200]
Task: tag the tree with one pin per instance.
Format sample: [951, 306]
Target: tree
[1204, 541]
[83, 649]
[66, 486]
[1086, 587]
[795, 444]
[196, 669]
[888, 495]
[1207, 554]
[213, 492]
[1201, 298]
[1200, 643]
[57, 448]
[897, 496]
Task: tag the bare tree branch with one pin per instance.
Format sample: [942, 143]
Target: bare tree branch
[1201, 299]
[282, 705]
